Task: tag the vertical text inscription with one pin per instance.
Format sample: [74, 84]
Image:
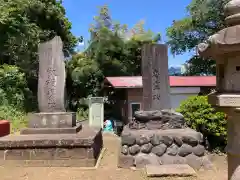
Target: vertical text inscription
[156, 84]
[50, 88]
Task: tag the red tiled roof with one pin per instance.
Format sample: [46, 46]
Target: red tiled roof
[175, 81]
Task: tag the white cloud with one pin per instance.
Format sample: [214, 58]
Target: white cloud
[81, 43]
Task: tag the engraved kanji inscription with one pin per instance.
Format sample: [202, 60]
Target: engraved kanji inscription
[50, 87]
[156, 79]
[156, 97]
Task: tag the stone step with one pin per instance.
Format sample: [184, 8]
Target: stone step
[181, 170]
[89, 163]
[69, 130]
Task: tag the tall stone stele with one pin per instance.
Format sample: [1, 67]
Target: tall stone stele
[51, 76]
[224, 47]
[51, 88]
[156, 111]
[155, 78]
[157, 135]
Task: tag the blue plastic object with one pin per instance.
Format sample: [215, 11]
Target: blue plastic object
[108, 126]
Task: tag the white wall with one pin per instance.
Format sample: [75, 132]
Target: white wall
[180, 94]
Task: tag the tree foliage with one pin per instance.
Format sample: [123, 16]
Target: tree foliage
[83, 79]
[114, 50]
[13, 88]
[26, 23]
[23, 25]
[204, 18]
[198, 66]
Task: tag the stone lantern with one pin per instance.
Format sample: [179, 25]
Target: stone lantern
[224, 47]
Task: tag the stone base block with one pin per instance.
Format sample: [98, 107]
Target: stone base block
[70, 130]
[226, 100]
[181, 170]
[81, 149]
[52, 120]
[162, 147]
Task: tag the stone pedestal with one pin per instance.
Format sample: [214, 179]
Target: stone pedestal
[230, 104]
[224, 47]
[52, 123]
[160, 138]
[52, 120]
[232, 148]
[80, 149]
[52, 139]
[161, 147]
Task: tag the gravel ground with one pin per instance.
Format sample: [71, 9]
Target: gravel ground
[107, 169]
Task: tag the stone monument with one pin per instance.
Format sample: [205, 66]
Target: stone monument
[224, 47]
[154, 82]
[53, 138]
[51, 77]
[96, 112]
[158, 135]
[51, 91]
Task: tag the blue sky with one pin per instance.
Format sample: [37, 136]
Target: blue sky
[158, 15]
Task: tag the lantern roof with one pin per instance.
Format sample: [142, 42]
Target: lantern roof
[226, 40]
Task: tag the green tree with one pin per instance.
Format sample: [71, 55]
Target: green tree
[204, 18]
[135, 38]
[26, 23]
[13, 88]
[103, 19]
[117, 49]
[114, 50]
[198, 66]
[83, 79]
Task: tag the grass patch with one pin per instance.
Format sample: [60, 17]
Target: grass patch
[82, 114]
[17, 118]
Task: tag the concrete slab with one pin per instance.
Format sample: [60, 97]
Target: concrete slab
[181, 170]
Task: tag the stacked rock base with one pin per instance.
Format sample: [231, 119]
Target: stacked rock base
[160, 147]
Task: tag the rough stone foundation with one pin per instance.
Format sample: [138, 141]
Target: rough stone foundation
[81, 149]
[160, 147]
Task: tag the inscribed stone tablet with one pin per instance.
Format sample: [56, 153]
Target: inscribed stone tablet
[51, 81]
[156, 89]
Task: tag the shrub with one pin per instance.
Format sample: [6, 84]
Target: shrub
[82, 114]
[13, 87]
[201, 116]
[13, 96]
